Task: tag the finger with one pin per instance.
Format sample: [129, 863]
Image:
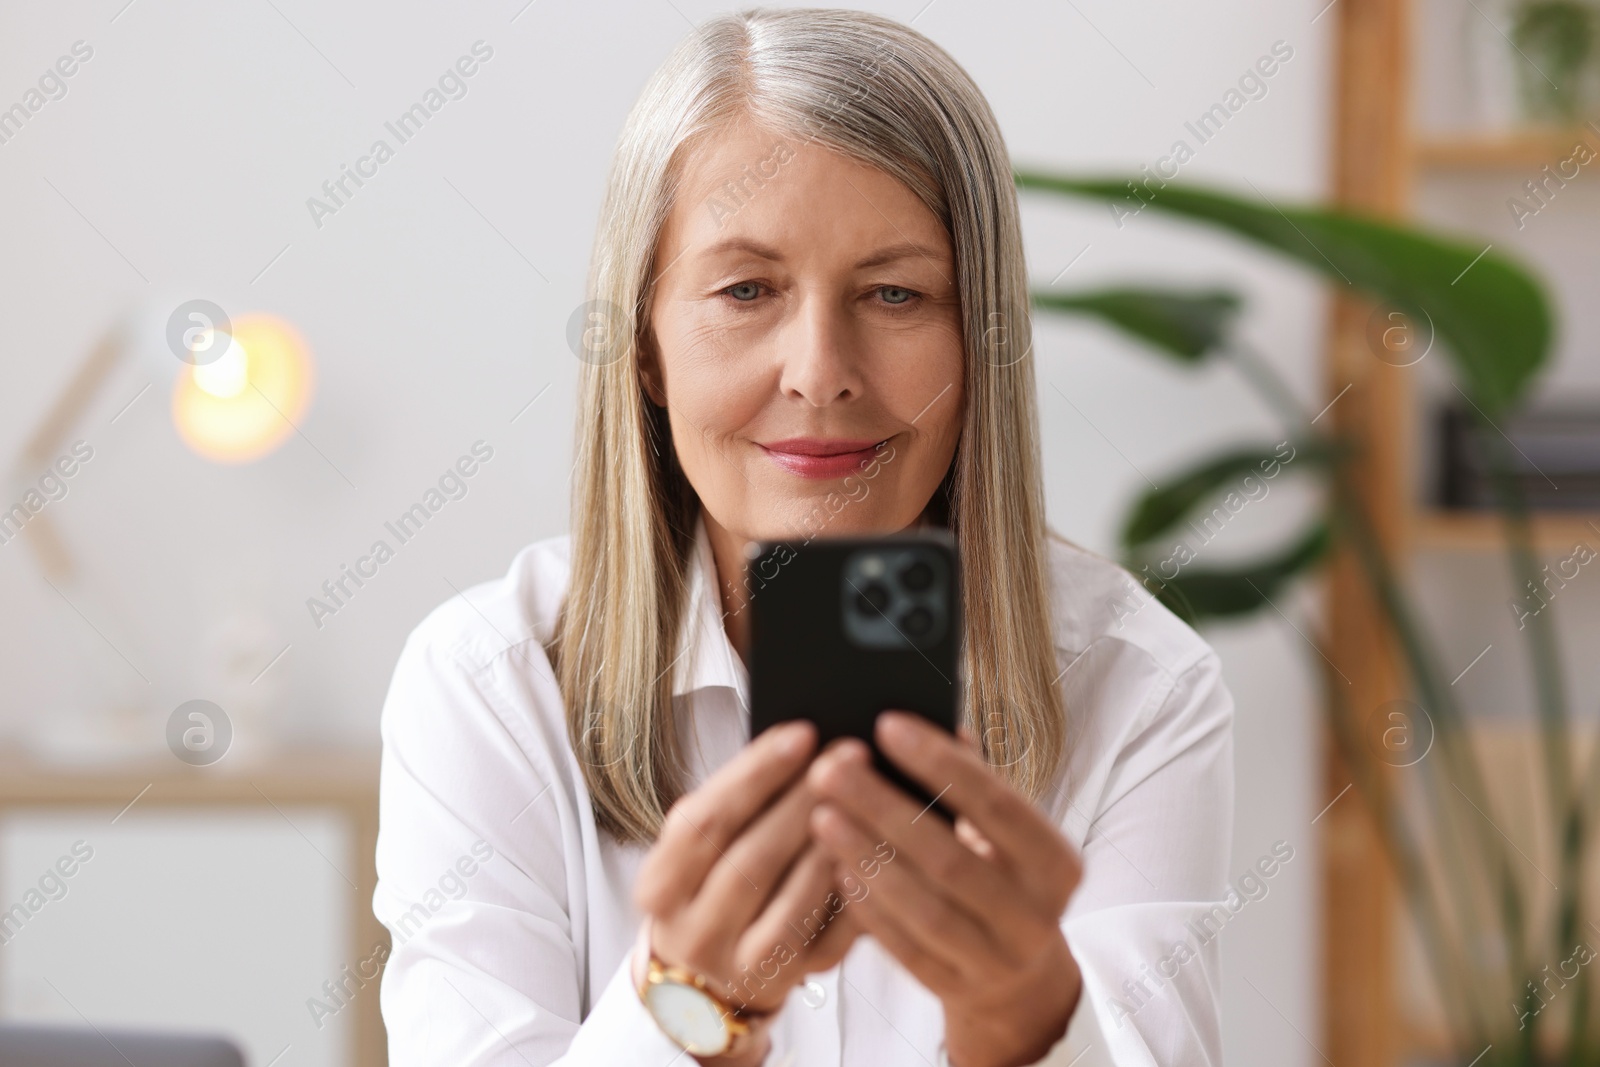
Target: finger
[751, 869]
[939, 928]
[957, 861]
[804, 922]
[843, 775]
[835, 941]
[700, 826]
[935, 975]
[1029, 844]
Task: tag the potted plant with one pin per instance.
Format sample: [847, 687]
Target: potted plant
[1462, 883]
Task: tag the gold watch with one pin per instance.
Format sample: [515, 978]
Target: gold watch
[699, 1021]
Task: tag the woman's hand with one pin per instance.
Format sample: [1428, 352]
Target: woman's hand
[972, 911]
[734, 888]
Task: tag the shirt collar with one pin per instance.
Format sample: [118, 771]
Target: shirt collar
[705, 655]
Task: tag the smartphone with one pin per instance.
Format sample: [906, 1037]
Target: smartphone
[844, 628]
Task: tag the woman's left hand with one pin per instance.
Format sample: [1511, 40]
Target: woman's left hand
[973, 910]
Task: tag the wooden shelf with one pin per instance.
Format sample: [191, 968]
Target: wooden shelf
[1381, 163]
[1465, 531]
[312, 776]
[1528, 148]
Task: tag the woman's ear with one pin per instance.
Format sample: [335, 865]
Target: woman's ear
[650, 370]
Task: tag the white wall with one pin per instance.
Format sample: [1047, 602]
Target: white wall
[436, 303]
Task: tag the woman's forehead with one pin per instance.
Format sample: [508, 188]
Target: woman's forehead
[752, 192]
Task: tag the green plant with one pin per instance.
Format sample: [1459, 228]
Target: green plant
[1556, 39]
[1494, 324]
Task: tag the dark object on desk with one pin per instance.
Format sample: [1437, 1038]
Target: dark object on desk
[60, 1046]
[842, 629]
[1554, 456]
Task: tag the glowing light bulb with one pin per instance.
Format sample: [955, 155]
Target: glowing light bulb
[247, 402]
[228, 374]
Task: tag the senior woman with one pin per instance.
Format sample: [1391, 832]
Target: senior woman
[812, 320]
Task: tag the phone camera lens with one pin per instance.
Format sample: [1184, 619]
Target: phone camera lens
[917, 622]
[917, 577]
[872, 600]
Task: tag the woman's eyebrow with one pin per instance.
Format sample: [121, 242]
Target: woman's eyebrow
[887, 254]
[743, 244]
[904, 250]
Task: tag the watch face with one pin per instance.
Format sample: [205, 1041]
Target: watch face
[689, 1017]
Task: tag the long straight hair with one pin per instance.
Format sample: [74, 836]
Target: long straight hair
[884, 95]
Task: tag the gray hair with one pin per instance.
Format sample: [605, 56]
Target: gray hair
[882, 94]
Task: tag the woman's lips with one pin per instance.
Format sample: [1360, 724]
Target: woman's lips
[809, 457]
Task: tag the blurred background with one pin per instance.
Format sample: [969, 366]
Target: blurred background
[228, 369]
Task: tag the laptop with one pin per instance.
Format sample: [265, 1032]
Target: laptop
[58, 1046]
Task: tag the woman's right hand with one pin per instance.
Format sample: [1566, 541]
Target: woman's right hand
[734, 888]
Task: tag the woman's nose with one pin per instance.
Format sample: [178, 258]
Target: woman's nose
[821, 363]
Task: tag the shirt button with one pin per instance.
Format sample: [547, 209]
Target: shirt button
[814, 994]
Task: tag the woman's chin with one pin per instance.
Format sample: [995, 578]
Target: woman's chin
[827, 515]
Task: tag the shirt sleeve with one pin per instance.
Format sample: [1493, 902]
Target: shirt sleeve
[1143, 924]
[474, 824]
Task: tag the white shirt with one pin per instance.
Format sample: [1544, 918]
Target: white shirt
[511, 914]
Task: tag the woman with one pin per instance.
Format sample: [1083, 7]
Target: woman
[810, 319]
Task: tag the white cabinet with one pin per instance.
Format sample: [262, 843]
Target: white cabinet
[205, 905]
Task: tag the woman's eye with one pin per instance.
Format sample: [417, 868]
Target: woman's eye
[894, 294]
[744, 292]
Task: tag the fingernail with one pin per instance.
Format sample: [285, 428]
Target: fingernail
[795, 736]
[898, 729]
[824, 823]
[850, 749]
[825, 771]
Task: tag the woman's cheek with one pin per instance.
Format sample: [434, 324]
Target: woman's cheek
[924, 378]
[717, 384]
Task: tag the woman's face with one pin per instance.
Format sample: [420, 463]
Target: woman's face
[805, 337]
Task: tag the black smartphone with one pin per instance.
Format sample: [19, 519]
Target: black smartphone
[844, 628]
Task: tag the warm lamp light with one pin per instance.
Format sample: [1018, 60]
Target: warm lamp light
[243, 404]
[229, 409]
[228, 376]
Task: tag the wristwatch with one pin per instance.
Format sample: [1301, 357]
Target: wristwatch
[701, 1022]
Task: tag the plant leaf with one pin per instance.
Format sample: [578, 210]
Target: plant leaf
[1195, 594]
[1491, 313]
[1183, 323]
[1159, 510]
